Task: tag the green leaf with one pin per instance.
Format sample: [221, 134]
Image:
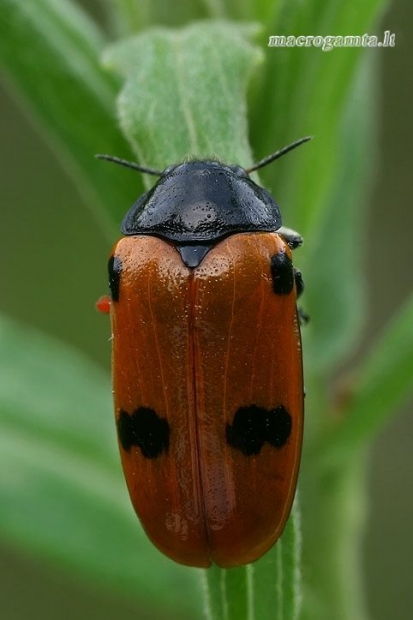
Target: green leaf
[62, 490]
[50, 50]
[267, 589]
[131, 16]
[334, 254]
[128, 16]
[169, 107]
[321, 188]
[304, 92]
[378, 388]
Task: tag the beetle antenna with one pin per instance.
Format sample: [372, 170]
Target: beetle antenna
[278, 154]
[129, 164]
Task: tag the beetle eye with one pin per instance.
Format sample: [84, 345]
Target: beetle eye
[239, 171]
[168, 169]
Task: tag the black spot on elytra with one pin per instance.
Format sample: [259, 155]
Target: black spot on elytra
[145, 430]
[114, 269]
[253, 426]
[282, 273]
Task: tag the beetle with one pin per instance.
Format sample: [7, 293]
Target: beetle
[207, 363]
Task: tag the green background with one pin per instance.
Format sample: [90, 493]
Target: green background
[43, 216]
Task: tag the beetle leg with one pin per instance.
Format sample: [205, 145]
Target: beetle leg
[291, 237]
[303, 317]
[299, 282]
[299, 287]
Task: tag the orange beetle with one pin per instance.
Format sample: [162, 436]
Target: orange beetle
[207, 365]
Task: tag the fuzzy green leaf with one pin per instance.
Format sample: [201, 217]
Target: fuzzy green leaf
[267, 589]
[185, 92]
[51, 52]
[59, 464]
